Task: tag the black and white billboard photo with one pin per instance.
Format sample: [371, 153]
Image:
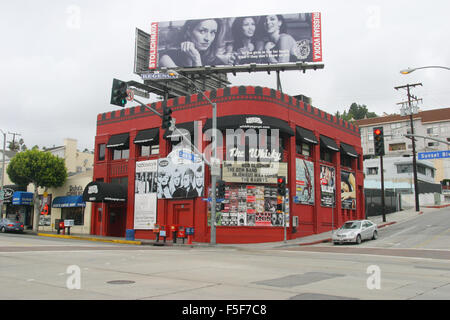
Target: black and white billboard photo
[145, 195]
[266, 39]
[180, 175]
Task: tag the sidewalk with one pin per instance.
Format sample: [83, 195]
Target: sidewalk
[391, 218]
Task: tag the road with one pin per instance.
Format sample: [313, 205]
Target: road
[410, 261]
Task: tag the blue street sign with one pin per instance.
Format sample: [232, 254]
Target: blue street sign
[433, 155]
[218, 200]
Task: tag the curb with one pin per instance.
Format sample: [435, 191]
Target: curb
[439, 206]
[89, 239]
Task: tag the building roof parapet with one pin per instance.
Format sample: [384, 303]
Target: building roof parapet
[227, 93]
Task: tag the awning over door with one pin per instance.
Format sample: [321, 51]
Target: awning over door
[147, 137]
[68, 202]
[97, 191]
[305, 135]
[349, 150]
[119, 141]
[245, 121]
[329, 143]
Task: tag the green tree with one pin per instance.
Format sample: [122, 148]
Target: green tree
[42, 169]
[356, 112]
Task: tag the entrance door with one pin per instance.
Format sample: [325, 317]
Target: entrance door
[116, 219]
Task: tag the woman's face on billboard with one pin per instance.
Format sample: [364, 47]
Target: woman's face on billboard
[204, 34]
[272, 23]
[248, 27]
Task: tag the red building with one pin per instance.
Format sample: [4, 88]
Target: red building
[320, 155]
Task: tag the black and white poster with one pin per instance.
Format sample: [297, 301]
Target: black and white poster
[266, 39]
[180, 175]
[145, 201]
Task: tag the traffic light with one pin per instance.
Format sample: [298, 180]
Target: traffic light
[281, 186]
[221, 189]
[378, 141]
[167, 118]
[119, 93]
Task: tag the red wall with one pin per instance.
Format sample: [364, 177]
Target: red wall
[232, 101]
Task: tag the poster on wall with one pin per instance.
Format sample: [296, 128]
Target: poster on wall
[180, 175]
[145, 200]
[327, 186]
[249, 205]
[45, 208]
[348, 190]
[304, 181]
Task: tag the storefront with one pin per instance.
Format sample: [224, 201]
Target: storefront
[262, 134]
[21, 208]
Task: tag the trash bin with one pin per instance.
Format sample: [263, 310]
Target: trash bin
[129, 235]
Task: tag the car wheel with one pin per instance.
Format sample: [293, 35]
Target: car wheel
[375, 235]
[3, 230]
[358, 239]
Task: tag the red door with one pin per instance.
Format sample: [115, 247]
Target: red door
[116, 219]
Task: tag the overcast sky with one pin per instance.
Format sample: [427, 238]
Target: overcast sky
[58, 58]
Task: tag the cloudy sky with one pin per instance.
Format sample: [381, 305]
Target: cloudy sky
[58, 58]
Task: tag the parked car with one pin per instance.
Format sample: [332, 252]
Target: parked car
[355, 231]
[10, 225]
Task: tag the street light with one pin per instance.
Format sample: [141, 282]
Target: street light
[409, 70]
[214, 137]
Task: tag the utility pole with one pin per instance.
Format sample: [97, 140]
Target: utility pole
[416, 185]
[14, 134]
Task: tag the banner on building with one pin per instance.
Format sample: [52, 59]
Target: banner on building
[348, 190]
[180, 175]
[253, 172]
[145, 201]
[327, 186]
[304, 181]
[268, 39]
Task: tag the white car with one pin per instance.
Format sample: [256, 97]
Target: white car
[355, 231]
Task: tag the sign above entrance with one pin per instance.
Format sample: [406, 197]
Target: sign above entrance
[253, 172]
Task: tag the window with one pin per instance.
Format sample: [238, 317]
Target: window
[372, 171]
[101, 152]
[404, 168]
[421, 169]
[346, 160]
[149, 150]
[304, 149]
[76, 214]
[433, 144]
[121, 154]
[397, 147]
[120, 180]
[325, 154]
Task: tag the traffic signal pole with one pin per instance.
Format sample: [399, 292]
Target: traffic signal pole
[383, 207]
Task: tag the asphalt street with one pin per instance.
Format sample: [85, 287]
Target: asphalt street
[410, 261]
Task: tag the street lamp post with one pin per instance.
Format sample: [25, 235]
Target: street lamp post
[409, 70]
[213, 155]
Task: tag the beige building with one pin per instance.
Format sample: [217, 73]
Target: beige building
[430, 124]
[66, 202]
